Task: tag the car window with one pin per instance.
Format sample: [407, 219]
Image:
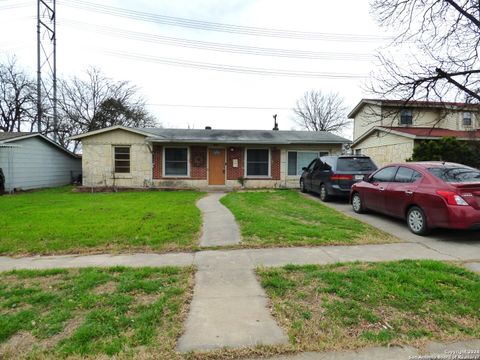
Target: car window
[355, 164]
[384, 175]
[407, 175]
[456, 174]
[317, 165]
[310, 166]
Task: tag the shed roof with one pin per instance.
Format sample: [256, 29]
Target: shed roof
[12, 137]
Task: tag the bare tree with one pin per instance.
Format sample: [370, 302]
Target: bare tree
[98, 102]
[440, 40]
[316, 111]
[17, 98]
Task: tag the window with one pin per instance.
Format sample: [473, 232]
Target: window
[122, 159]
[300, 159]
[353, 163]
[176, 162]
[384, 175]
[258, 161]
[456, 174]
[406, 117]
[406, 175]
[467, 119]
[358, 151]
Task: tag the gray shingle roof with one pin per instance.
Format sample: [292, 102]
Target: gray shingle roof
[242, 136]
[11, 135]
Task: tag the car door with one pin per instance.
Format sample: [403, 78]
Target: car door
[399, 193]
[308, 175]
[374, 191]
[316, 175]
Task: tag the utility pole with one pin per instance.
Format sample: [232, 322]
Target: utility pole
[47, 65]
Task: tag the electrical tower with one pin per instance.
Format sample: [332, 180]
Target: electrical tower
[47, 67]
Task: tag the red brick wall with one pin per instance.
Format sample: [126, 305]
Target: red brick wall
[275, 163]
[157, 162]
[198, 162]
[237, 153]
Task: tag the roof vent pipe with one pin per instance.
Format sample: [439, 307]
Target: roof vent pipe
[275, 124]
[208, 128]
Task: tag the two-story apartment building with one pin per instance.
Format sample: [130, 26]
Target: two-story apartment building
[388, 130]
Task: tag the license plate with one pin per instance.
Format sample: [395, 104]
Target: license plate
[358, 177]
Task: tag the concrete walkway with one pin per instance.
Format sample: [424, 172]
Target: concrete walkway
[219, 225]
[245, 259]
[433, 350]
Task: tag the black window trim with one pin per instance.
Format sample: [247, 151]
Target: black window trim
[269, 175]
[164, 162]
[115, 147]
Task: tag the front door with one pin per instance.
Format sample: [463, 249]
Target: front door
[216, 167]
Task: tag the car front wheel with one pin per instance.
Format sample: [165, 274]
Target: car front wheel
[417, 221]
[302, 186]
[357, 204]
[324, 193]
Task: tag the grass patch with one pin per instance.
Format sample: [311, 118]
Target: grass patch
[93, 312]
[346, 306]
[285, 218]
[60, 221]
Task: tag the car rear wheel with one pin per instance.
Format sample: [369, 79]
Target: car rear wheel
[357, 204]
[324, 193]
[302, 186]
[417, 221]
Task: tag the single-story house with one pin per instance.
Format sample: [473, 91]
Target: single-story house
[32, 160]
[193, 158]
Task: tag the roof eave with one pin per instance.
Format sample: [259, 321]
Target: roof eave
[111, 128]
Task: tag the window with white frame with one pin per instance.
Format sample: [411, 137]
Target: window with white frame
[467, 119]
[122, 159]
[300, 159]
[406, 117]
[175, 161]
[258, 162]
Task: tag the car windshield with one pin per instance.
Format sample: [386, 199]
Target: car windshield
[355, 164]
[456, 174]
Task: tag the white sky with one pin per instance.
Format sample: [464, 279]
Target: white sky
[79, 46]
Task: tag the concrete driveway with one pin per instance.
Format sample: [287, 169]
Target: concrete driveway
[450, 242]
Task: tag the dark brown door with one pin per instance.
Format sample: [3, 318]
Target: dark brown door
[216, 167]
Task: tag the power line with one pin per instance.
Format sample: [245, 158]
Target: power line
[220, 27]
[220, 107]
[231, 68]
[214, 46]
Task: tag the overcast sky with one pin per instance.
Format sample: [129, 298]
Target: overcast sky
[339, 50]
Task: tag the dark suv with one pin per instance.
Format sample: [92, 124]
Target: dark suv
[334, 175]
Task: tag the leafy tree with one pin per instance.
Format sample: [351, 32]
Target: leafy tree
[448, 149]
[316, 111]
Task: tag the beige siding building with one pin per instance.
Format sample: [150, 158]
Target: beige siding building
[388, 130]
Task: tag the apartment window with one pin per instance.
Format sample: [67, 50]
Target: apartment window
[300, 159]
[122, 159]
[258, 161]
[467, 119]
[175, 162]
[406, 117]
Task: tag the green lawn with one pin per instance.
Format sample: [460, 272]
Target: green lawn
[285, 218]
[93, 312]
[346, 306]
[61, 221]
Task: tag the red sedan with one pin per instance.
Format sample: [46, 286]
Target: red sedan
[427, 194]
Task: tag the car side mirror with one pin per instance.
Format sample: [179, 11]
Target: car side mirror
[304, 168]
[367, 178]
